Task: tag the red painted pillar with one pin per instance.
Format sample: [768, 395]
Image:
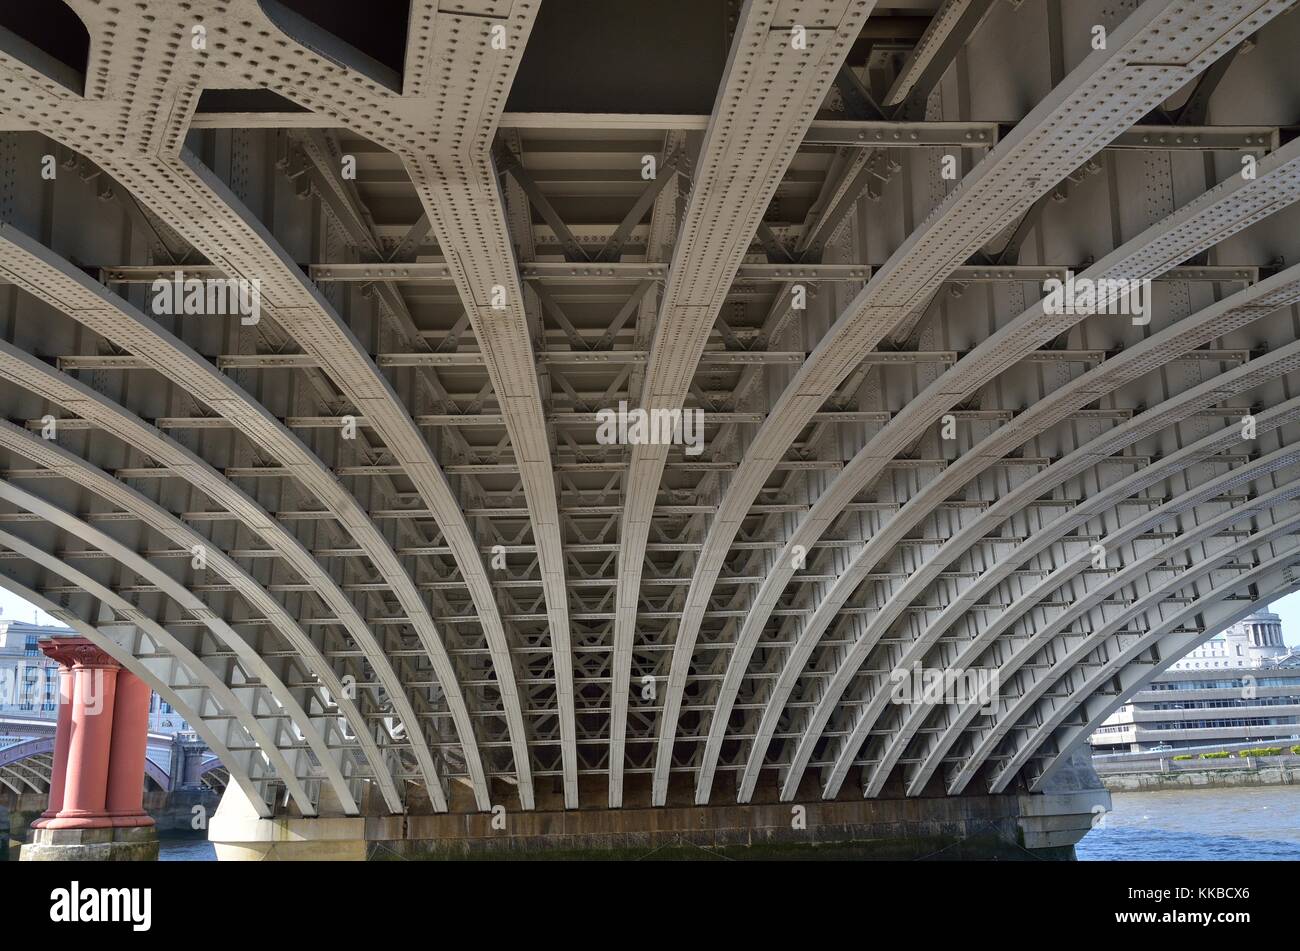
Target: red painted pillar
[85, 787]
[54, 650]
[126, 763]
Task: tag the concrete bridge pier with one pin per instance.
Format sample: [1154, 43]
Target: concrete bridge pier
[239, 834]
[1014, 825]
[1073, 801]
[95, 809]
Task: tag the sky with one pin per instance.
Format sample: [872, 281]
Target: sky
[13, 607]
[1288, 609]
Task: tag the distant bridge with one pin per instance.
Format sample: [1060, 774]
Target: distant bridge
[172, 760]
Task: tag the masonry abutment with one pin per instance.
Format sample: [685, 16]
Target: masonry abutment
[1016, 825]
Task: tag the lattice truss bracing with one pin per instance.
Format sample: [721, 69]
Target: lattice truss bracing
[371, 539]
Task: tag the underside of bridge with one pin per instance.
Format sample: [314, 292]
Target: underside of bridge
[325, 327]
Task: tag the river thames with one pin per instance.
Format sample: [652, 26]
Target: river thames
[1178, 825]
[1244, 824]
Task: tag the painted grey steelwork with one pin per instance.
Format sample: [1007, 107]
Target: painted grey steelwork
[374, 542]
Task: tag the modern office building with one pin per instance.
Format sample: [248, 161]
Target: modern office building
[1240, 686]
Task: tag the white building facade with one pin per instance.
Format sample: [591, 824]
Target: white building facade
[29, 681]
[1255, 641]
[1240, 686]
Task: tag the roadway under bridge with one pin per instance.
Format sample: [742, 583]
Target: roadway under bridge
[314, 319]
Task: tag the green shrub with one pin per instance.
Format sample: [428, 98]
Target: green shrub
[1215, 755]
[1296, 750]
[1184, 756]
[1262, 751]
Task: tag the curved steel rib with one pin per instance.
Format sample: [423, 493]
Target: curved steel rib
[1241, 379]
[1106, 94]
[55, 458]
[1276, 575]
[1225, 209]
[221, 730]
[1044, 635]
[443, 130]
[148, 159]
[1234, 312]
[41, 378]
[770, 92]
[1015, 707]
[256, 666]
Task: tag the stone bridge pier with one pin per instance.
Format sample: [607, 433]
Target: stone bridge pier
[1015, 825]
[188, 759]
[95, 810]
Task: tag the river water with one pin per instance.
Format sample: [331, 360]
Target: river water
[1243, 824]
[185, 849]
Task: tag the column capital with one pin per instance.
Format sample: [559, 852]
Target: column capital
[76, 652]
